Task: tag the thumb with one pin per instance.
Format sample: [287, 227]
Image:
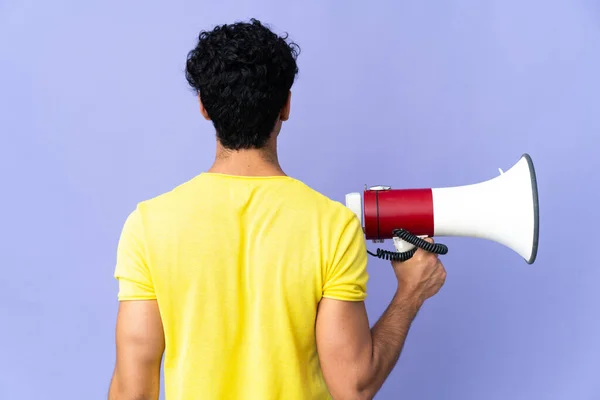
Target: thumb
[428, 239]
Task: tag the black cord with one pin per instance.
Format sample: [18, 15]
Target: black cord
[436, 248]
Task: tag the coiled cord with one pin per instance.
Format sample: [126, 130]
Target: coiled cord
[416, 241]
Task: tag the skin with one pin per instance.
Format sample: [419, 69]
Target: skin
[355, 358]
[251, 162]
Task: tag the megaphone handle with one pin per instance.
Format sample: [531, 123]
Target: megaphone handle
[403, 246]
[406, 244]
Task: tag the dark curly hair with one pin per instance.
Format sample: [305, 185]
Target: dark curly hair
[243, 73]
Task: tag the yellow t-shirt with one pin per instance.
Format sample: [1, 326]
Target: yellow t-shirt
[238, 266]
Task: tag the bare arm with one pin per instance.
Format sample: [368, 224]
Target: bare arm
[140, 346]
[357, 360]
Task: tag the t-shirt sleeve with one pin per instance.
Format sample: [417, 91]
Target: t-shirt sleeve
[346, 277]
[131, 271]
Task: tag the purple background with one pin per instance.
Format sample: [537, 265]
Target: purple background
[95, 115]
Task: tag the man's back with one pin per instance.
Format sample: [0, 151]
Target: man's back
[238, 266]
[249, 283]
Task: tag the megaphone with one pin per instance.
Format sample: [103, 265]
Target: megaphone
[504, 209]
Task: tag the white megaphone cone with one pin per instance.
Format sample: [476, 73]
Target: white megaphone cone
[504, 210]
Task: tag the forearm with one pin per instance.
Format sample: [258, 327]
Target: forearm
[388, 336]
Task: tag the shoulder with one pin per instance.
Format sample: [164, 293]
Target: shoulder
[171, 199]
[328, 208]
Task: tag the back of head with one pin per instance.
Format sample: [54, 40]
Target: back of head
[243, 73]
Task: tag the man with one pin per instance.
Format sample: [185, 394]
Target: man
[250, 282]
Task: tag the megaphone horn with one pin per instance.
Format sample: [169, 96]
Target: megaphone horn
[504, 209]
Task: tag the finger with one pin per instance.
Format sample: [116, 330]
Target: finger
[435, 269]
[423, 254]
[442, 277]
[428, 239]
[441, 270]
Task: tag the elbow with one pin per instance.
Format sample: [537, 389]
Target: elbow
[131, 396]
[366, 388]
[357, 381]
[356, 391]
[364, 394]
[118, 391]
[353, 395]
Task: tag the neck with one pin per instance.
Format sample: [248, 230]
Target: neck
[247, 162]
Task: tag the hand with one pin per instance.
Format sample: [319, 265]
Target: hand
[420, 277]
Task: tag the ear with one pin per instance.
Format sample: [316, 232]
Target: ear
[203, 110]
[284, 115]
